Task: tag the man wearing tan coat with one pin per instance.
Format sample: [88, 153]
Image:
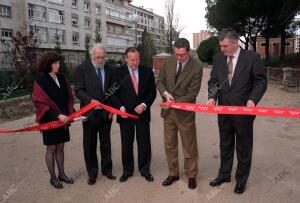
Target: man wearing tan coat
[179, 80]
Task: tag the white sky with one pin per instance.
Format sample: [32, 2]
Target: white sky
[191, 14]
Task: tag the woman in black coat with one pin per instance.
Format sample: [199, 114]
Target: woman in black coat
[53, 100]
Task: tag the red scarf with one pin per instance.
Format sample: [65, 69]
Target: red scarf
[43, 102]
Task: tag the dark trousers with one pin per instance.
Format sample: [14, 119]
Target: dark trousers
[142, 130]
[231, 131]
[90, 134]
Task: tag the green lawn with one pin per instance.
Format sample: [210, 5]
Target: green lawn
[13, 94]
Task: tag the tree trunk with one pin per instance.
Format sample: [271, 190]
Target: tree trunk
[247, 44]
[282, 43]
[253, 43]
[267, 49]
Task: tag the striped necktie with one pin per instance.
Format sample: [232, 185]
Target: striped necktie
[230, 68]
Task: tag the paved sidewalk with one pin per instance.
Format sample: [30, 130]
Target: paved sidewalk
[274, 176]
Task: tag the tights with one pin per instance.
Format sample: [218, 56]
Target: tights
[55, 153]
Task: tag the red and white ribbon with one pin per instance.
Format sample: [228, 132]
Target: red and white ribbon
[80, 112]
[240, 110]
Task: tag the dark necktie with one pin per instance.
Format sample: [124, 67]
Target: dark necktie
[230, 68]
[100, 78]
[178, 72]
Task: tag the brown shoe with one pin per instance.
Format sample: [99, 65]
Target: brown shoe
[169, 180]
[192, 183]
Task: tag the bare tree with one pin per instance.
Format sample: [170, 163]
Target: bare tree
[172, 24]
[98, 37]
[24, 48]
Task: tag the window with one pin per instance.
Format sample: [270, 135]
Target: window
[263, 44]
[116, 14]
[97, 10]
[288, 44]
[5, 11]
[88, 38]
[74, 3]
[87, 23]
[36, 12]
[74, 22]
[57, 1]
[75, 37]
[57, 35]
[6, 34]
[40, 32]
[86, 6]
[117, 42]
[55, 16]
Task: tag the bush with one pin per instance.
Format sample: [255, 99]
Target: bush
[274, 61]
[207, 49]
[113, 63]
[7, 78]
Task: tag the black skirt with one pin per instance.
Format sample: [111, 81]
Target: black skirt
[56, 136]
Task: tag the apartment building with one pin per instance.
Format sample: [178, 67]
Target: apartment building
[154, 24]
[201, 36]
[119, 29]
[74, 21]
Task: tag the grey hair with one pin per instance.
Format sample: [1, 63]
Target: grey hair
[228, 33]
[97, 45]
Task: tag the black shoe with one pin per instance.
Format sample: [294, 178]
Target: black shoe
[219, 181]
[124, 177]
[239, 188]
[110, 176]
[148, 177]
[91, 181]
[192, 183]
[66, 180]
[169, 180]
[56, 184]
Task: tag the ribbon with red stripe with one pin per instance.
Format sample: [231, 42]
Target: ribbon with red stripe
[80, 112]
[240, 110]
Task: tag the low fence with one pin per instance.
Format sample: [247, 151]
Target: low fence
[287, 77]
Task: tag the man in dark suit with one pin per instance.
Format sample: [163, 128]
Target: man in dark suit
[135, 94]
[92, 79]
[237, 79]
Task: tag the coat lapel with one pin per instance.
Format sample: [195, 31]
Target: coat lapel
[107, 76]
[93, 74]
[238, 68]
[128, 80]
[186, 70]
[141, 80]
[224, 73]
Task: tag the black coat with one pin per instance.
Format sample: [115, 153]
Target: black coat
[248, 83]
[88, 87]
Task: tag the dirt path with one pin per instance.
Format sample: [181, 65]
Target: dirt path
[274, 176]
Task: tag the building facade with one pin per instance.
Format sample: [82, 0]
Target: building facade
[73, 22]
[274, 46]
[119, 33]
[297, 44]
[201, 36]
[153, 23]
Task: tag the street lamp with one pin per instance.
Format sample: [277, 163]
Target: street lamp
[135, 18]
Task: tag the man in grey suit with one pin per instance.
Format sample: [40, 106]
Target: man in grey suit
[92, 80]
[237, 79]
